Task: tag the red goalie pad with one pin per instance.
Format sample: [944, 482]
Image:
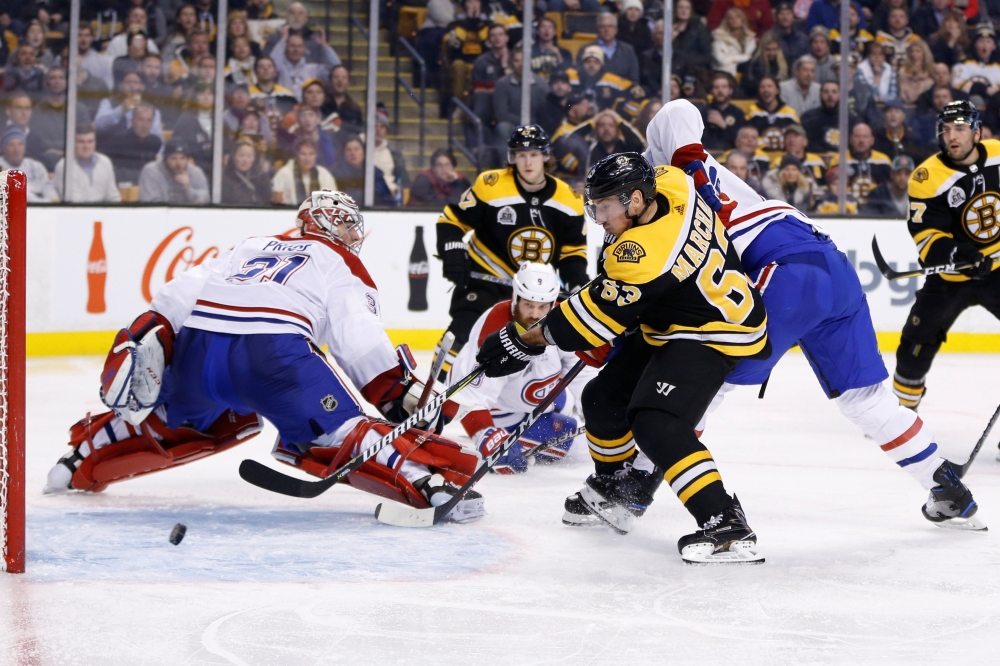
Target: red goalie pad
[142, 453]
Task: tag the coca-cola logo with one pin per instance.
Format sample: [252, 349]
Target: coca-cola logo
[99, 266]
[534, 392]
[419, 269]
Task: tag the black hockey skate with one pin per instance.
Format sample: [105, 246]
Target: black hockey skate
[725, 539]
[577, 514]
[438, 492]
[618, 499]
[950, 503]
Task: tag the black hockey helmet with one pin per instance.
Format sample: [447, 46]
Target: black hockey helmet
[962, 112]
[527, 137]
[621, 174]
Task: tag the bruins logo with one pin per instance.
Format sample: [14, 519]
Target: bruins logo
[832, 136]
[773, 139]
[660, 170]
[531, 244]
[980, 217]
[921, 175]
[490, 179]
[629, 251]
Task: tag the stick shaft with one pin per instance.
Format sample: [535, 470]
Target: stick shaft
[446, 343]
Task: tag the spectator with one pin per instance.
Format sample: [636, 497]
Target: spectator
[173, 180]
[97, 64]
[301, 176]
[736, 161]
[237, 107]
[187, 58]
[338, 101]
[950, 44]
[880, 17]
[722, 119]
[275, 99]
[979, 75]
[136, 21]
[768, 61]
[294, 68]
[158, 93]
[928, 19]
[794, 43]
[40, 188]
[254, 128]
[156, 22]
[592, 80]
[770, 115]
[440, 14]
[651, 61]
[91, 176]
[748, 143]
[733, 43]
[203, 71]
[106, 23]
[608, 138]
[185, 22]
[194, 127]
[132, 148]
[788, 183]
[23, 73]
[866, 168]
[19, 114]
[238, 29]
[819, 49]
[132, 60]
[546, 54]
[925, 124]
[90, 90]
[891, 199]
[858, 39]
[307, 126]
[570, 148]
[34, 38]
[317, 49]
[827, 14]
[462, 44]
[487, 70]
[239, 65]
[692, 44]
[438, 185]
[552, 110]
[313, 96]
[649, 110]
[574, 5]
[757, 13]
[245, 180]
[942, 77]
[259, 9]
[802, 92]
[879, 74]
[862, 98]
[115, 114]
[633, 28]
[897, 37]
[916, 72]
[796, 142]
[822, 124]
[48, 118]
[507, 99]
[619, 58]
[389, 159]
[206, 17]
[895, 138]
[828, 203]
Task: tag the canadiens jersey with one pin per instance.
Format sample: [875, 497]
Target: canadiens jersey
[952, 205]
[771, 125]
[510, 225]
[302, 285]
[677, 277]
[762, 230]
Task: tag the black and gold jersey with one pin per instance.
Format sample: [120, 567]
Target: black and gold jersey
[677, 278]
[510, 225]
[952, 205]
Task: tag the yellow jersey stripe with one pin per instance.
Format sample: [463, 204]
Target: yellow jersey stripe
[610, 459]
[581, 329]
[597, 313]
[711, 477]
[909, 390]
[684, 463]
[483, 256]
[609, 443]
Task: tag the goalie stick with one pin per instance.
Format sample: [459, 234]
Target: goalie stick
[267, 478]
[403, 515]
[557, 440]
[446, 343]
[891, 274]
[963, 469]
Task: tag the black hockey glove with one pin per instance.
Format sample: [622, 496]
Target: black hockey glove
[504, 353]
[982, 266]
[456, 263]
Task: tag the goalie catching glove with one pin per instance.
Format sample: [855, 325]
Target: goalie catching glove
[133, 372]
[397, 392]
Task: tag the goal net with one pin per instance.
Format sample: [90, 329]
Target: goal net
[13, 200]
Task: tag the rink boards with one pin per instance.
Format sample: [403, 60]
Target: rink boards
[81, 289]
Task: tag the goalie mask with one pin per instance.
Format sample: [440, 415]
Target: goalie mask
[334, 215]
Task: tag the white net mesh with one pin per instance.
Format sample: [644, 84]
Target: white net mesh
[4, 460]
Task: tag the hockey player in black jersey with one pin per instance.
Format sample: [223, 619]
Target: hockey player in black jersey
[672, 277]
[516, 214]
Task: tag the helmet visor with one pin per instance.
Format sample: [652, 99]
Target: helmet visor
[604, 210]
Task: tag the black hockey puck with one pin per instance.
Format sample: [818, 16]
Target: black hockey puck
[177, 534]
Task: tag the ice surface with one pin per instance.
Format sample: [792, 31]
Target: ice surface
[854, 574]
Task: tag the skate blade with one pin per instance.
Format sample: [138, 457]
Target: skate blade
[738, 553]
[576, 520]
[621, 521]
[970, 524]
[467, 511]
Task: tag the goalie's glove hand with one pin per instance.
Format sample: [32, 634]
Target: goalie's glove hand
[401, 409]
[981, 266]
[488, 440]
[504, 353]
[696, 169]
[456, 263]
[133, 371]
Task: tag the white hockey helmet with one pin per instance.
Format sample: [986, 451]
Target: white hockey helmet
[535, 282]
[335, 215]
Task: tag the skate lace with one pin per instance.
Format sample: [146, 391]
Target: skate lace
[713, 522]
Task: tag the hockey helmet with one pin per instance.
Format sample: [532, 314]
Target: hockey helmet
[527, 137]
[535, 282]
[335, 215]
[962, 112]
[620, 174]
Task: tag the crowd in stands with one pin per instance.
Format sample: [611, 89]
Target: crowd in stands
[765, 74]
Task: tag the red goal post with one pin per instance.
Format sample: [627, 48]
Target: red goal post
[13, 211]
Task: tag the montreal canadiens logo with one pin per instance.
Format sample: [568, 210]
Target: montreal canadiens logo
[534, 392]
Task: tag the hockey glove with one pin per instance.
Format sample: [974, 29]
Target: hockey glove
[982, 266]
[504, 353]
[514, 461]
[456, 263]
[696, 169]
[133, 371]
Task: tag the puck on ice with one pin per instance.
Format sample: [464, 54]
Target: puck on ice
[177, 534]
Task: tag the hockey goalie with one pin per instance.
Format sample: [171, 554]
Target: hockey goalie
[239, 336]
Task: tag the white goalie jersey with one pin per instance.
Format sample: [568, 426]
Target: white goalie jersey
[303, 285]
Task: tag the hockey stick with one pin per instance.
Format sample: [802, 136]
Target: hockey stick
[403, 515]
[507, 282]
[890, 274]
[267, 478]
[556, 441]
[446, 342]
[963, 469]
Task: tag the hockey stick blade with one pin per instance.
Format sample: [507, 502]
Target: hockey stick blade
[403, 515]
[271, 479]
[887, 271]
[963, 469]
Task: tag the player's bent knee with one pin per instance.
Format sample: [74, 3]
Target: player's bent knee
[914, 359]
[869, 408]
[664, 437]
